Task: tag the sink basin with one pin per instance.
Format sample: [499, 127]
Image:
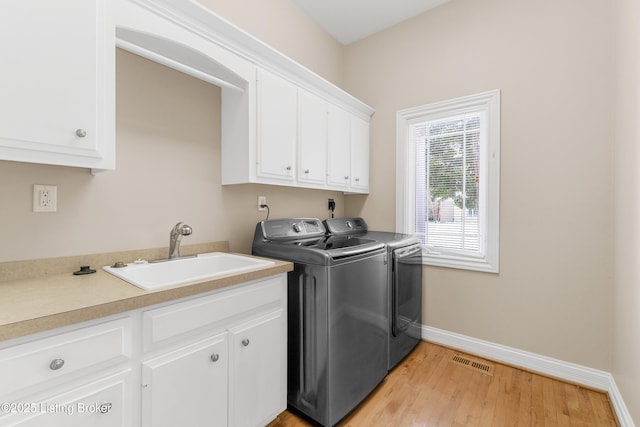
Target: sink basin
[155, 275]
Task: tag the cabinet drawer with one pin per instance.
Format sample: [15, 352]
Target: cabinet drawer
[177, 319]
[49, 358]
[102, 403]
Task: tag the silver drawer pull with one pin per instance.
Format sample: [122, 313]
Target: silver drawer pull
[81, 133]
[288, 168]
[306, 171]
[56, 364]
[245, 342]
[346, 177]
[215, 357]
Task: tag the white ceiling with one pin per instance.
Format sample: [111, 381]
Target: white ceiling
[351, 20]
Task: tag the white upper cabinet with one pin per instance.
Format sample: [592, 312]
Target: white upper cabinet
[276, 127]
[57, 82]
[338, 145]
[312, 139]
[359, 155]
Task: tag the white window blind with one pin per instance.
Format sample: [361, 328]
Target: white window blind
[447, 182]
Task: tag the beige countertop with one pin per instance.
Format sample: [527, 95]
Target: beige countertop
[42, 297]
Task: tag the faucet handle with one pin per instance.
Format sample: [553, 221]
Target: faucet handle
[182, 229]
[179, 230]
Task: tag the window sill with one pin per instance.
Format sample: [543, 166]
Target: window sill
[459, 262]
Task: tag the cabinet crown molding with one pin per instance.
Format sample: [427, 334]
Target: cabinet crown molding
[199, 20]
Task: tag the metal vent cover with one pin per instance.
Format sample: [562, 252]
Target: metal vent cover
[473, 363]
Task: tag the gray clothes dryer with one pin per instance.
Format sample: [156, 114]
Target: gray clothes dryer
[404, 278]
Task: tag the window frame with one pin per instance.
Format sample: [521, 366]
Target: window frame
[489, 104]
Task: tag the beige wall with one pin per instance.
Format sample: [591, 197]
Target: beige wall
[552, 62]
[626, 350]
[282, 25]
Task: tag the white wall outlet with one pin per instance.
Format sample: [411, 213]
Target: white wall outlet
[45, 198]
[262, 200]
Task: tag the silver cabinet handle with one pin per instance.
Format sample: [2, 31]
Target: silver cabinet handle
[56, 364]
[357, 179]
[288, 168]
[346, 177]
[215, 357]
[245, 342]
[306, 171]
[81, 133]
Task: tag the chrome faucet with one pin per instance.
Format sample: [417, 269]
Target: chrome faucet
[177, 232]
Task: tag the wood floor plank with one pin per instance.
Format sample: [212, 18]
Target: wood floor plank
[572, 401]
[537, 403]
[562, 410]
[450, 396]
[548, 401]
[525, 402]
[470, 408]
[507, 408]
[427, 390]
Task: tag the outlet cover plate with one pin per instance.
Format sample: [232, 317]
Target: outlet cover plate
[45, 198]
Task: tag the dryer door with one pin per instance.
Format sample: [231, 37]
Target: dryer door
[406, 291]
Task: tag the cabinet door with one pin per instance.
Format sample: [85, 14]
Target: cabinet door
[339, 146]
[57, 82]
[102, 403]
[312, 138]
[257, 377]
[359, 155]
[277, 127]
[187, 387]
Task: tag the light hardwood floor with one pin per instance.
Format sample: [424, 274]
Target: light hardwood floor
[427, 389]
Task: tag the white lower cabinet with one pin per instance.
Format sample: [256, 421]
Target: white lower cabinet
[187, 387]
[71, 377]
[216, 359]
[257, 369]
[102, 403]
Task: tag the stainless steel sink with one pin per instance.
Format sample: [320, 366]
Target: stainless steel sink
[156, 275]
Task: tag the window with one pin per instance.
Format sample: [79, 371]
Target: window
[448, 180]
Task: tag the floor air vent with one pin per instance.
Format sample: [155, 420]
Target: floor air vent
[472, 363]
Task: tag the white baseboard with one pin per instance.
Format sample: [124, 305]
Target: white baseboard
[588, 377]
